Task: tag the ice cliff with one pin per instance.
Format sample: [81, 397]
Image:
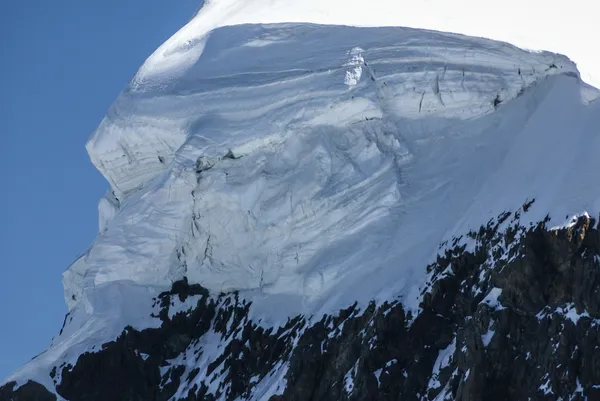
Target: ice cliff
[291, 171]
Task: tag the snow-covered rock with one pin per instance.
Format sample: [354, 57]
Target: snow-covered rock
[313, 166]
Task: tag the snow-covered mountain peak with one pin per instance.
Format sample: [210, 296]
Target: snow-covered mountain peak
[271, 181]
[144, 128]
[532, 25]
[260, 168]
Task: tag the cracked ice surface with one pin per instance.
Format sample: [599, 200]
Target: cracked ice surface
[336, 183]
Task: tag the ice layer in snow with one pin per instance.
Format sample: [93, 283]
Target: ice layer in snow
[312, 166]
[243, 165]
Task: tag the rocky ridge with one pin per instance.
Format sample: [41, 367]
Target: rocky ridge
[509, 312]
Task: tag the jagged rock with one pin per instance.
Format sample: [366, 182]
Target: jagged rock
[30, 391]
[516, 318]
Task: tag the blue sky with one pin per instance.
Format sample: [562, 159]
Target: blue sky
[62, 64]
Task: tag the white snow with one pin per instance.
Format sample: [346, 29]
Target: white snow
[108, 206]
[334, 181]
[571, 314]
[349, 378]
[486, 338]
[377, 374]
[201, 354]
[183, 307]
[568, 312]
[273, 383]
[355, 63]
[357, 152]
[546, 387]
[86, 328]
[491, 298]
[446, 393]
[571, 221]
[337, 186]
[443, 360]
[535, 24]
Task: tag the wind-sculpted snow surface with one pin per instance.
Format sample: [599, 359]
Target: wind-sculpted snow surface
[514, 317]
[307, 173]
[313, 167]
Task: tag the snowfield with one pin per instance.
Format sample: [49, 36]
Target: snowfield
[329, 173]
[311, 166]
[534, 24]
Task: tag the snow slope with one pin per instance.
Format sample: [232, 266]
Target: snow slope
[312, 166]
[534, 24]
[361, 148]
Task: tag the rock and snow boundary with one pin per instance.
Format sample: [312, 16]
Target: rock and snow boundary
[510, 311]
[311, 179]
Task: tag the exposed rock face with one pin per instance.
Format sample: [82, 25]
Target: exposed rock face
[509, 313]
[30, 391]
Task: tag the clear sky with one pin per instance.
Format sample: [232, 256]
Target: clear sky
[62, 63]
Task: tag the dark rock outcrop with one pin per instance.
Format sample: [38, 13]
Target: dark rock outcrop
[509, 313]
[30, 391]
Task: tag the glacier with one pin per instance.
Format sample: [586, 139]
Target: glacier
[303, 174]
[310, 166]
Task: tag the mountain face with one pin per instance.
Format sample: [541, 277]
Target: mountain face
[314, 212]
[515, 317]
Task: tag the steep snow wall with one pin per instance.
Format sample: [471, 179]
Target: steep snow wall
[128, 161]
[246, 166]
[312, 166]
[535, 24]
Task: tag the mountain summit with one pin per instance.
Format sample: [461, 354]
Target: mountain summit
[320, 212]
